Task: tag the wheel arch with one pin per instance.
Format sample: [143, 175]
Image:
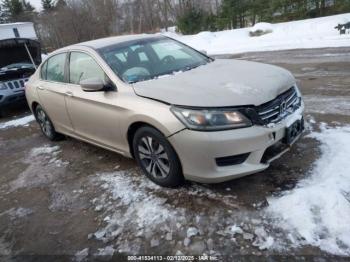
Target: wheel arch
[132, 131]
[33, 107]
[139, 124]
[133, 127]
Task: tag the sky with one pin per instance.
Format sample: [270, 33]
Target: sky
[36, 3]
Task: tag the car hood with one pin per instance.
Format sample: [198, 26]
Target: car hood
[221, 83]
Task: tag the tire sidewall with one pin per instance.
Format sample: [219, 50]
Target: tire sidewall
[53, 133]
[175, 177]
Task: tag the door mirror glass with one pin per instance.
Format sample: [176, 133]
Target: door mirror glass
[93, 85]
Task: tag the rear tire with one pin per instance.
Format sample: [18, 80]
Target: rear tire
[46, 125]
[157, 158]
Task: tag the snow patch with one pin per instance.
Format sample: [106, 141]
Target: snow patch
[235, 230]
[338, 105]
[129, 205]
[43, 167]
[16, 213]
[54, 150]
[106, 252]
[24, 121]
[309, 33]
[192, 231]
[146, 208]
[82, 255]
[263, 240]
[317, 211]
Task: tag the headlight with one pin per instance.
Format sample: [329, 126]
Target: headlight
[3, 86]
[211, 119]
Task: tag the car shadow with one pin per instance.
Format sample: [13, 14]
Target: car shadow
[14, 110]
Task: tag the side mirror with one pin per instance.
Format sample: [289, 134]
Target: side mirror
[203, 52]
[92, 85]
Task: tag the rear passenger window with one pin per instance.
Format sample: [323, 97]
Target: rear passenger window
[43, 71]
[83, 66]
[55, 68]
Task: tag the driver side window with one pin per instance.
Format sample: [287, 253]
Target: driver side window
[83, 66]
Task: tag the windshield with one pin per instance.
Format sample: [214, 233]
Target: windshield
[151, 58]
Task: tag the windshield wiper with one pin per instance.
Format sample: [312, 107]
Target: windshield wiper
[188, 68]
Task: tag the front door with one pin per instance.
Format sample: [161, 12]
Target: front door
[94, 115]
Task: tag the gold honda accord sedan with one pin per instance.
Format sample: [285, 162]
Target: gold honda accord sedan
[179, 113]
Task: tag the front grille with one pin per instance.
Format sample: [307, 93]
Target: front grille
[280, 107]
[16, 84]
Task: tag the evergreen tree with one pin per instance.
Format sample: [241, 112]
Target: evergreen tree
[2, 16]
[47, 4]
[196, 20]
[191, 21]
[16, 10]
[27, 6]
[60, 3]
[11, 9]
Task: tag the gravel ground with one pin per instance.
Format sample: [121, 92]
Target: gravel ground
[73, 201]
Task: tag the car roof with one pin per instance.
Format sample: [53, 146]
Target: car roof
[104, 42]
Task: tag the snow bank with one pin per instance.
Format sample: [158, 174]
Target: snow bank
[24, 121]
[310, 33]
[318, 209]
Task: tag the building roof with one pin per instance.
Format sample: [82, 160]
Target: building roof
[16, 24]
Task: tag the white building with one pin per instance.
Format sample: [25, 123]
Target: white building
[18, 30]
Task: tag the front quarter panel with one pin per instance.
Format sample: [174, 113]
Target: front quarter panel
[30, 90]
[153, 113]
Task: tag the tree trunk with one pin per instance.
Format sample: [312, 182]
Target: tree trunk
[323, 7]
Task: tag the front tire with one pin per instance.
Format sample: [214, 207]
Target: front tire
[46, 125]
[157, 158]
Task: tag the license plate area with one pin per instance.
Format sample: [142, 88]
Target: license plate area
[293, 132]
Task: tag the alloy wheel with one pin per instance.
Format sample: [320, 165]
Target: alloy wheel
[153, 157]
[44, 122]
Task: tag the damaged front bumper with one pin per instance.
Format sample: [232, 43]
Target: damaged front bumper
[213, 157]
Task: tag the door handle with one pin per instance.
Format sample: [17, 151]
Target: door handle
[41, 88]
[68, 93]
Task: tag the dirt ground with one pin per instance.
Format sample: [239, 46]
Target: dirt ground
[69, 200]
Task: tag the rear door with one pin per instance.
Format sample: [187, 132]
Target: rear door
[95, 115]
[52, 90]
